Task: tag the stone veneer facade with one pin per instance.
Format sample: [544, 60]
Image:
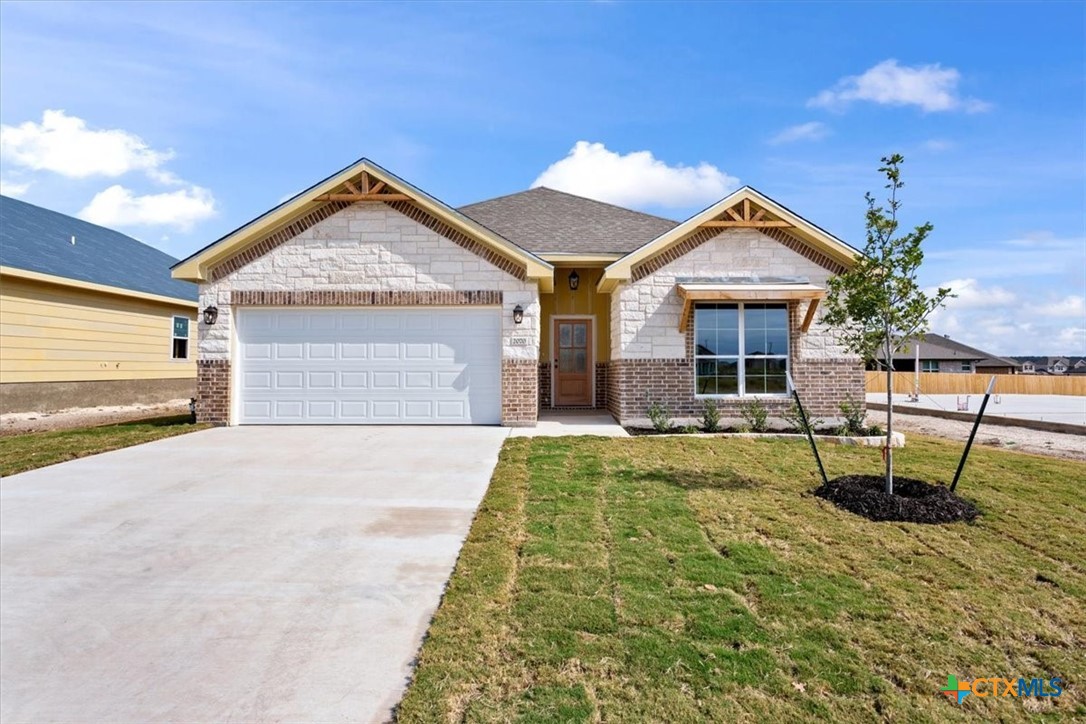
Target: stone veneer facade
[652, 360]
[370, 254]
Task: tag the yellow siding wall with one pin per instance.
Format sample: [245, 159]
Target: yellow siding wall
[583, 301]
[55, 333]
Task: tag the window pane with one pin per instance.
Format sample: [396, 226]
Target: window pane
[727, 385]
[776, 317]
[580, 333]
[704, 318]
[776, 366]
[580, 360]
[180, 349]
[565, 360]
[755, 341]
[727, 342]
[706, 385]
[705, 342]
[776, 384]
[754, 367]
[564, 335]
[776, 341]
[707, 368]
[754, 316]
[755, 385]
[727, 317]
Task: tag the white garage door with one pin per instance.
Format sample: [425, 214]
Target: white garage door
[370, 366]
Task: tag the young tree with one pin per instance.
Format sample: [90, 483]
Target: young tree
[877, 305]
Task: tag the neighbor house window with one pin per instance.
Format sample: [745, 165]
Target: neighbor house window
[929, 365]
[180, 338]
[741, 349]
[967, 366]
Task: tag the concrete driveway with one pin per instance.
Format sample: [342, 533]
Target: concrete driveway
[235, 574]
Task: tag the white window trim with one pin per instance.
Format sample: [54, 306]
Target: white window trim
[741, 368]
[188, 347]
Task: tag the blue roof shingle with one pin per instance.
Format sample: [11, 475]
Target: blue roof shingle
[40, 240]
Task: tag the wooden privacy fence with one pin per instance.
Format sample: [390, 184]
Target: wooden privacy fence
[949, 383]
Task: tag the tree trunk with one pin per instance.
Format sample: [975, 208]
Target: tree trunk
[889, 416]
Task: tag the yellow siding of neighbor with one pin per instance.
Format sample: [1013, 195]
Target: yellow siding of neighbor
[585, 301]
[55, 333]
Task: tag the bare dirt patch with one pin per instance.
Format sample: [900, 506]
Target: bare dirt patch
[18, 423]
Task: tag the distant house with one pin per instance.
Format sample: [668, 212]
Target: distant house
[939, 353]
[1028, 368]
[88, 316]
[1058, 365]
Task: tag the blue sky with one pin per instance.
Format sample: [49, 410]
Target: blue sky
[178, 122]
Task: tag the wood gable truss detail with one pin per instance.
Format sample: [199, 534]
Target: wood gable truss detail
[363, 181]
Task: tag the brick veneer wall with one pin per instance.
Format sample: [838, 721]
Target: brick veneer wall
[544, 385]
[602, 368]
[520, 392]
[213, 391]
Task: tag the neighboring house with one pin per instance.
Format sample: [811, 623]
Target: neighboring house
[1029, 368]
[88, 316]
[365, 300]
[939, 353]
[1057, 365]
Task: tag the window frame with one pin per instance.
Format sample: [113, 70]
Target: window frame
[929, 365]
[741, 357]
[174, 338]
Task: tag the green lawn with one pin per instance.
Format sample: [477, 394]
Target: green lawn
[19, 453]
[686, 579]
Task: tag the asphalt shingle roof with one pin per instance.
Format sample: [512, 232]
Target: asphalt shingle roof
[936, 346]
[40, 240]
[543, 220]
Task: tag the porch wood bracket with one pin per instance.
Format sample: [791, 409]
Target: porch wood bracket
[693, 293]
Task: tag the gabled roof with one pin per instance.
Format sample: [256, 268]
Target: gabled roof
[37, 240]
[939, 347]
[545, 221]
[777, 219]
[339, 185]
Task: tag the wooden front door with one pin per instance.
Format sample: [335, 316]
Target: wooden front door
[573, 364]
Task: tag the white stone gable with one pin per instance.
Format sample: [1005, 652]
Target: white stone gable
[372, 247]
[645, 313]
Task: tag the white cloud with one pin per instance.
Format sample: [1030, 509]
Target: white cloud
[634, 179]
[971, 295]
[13, 189]
[65, 145]
[181, 209]
[813, 131]
[1071, 306]
[937, 145]
[931, 87]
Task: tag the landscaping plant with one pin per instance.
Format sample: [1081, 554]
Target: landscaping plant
[878, 304]
[710, 416]
[797, 422]
[660, 417]
[755, 415]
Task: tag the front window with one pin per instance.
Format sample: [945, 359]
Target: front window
[180, 338]
[929, 365]
[741, 349]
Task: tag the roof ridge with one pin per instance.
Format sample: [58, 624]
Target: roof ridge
[572, 196]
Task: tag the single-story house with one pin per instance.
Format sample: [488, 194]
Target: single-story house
[88, 316]
[939, 353]
[365, 300]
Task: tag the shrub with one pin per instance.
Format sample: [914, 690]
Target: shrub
[795, 420]
[855, 419]
[660, 417]
[755, 415]
[710, 416]
[691, 429]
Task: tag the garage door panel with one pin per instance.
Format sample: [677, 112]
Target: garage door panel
[413, 366]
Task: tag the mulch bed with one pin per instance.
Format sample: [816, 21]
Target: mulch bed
[913, 501]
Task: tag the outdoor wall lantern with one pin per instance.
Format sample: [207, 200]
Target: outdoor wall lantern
[574, 280]
[518, 314]
[211, 314]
